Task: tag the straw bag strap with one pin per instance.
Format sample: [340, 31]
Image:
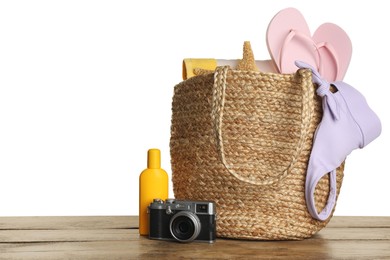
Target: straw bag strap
[219, 90]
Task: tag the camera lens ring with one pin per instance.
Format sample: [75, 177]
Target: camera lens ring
[194, 220]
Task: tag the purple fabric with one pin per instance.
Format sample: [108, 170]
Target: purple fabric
[347, 123]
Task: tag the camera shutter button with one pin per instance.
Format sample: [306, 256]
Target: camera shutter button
[170, 201]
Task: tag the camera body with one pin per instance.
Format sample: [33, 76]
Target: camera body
[181, 220]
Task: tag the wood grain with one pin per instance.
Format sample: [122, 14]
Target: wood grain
[117, 238]
[71, 235]
[353, 221]
[73, 222]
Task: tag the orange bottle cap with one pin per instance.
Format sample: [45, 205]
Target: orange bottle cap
[154, 159]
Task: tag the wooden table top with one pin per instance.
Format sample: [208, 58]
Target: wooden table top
[116, 237]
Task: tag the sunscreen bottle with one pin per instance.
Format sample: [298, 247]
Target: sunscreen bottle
[153, 184]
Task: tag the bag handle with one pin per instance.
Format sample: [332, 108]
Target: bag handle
[218, 102]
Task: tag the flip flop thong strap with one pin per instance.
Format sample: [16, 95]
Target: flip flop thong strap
[333, 53]
[317, 46]
[295, 33]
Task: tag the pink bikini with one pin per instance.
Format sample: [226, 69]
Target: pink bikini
[347, 123]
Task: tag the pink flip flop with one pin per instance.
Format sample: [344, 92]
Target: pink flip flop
[288, 39]
[335, 49]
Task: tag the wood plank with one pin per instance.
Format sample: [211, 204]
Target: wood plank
[116, 237]
[24, 236]
[33, 236]
[354, 234]
[94, 222]
[151, 249]
[352, 221]
[76, 222]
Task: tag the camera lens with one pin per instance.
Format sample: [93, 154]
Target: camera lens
[184, 226]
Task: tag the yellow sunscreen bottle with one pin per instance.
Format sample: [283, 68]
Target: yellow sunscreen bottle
[153, 183]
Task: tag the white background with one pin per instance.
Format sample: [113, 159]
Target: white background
[86, 89]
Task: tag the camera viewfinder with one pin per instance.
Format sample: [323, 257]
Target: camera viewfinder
[201, 208]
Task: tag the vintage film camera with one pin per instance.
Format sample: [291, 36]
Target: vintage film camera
[180, 220]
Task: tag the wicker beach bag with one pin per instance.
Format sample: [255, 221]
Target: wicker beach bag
[243, 139]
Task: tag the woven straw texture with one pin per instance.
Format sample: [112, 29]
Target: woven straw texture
[243, 139]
